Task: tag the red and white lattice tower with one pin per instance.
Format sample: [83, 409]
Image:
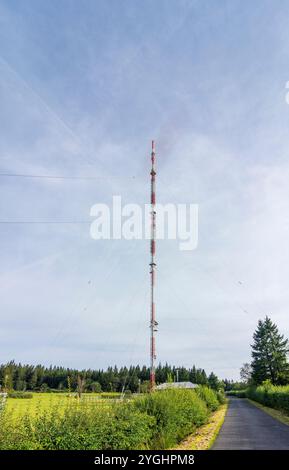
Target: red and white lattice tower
[153, 322]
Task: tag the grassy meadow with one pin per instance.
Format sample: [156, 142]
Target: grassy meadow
[45, 402]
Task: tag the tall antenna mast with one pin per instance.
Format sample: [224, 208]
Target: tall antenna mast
[153, 323]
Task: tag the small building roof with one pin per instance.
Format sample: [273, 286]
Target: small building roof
[176, 385]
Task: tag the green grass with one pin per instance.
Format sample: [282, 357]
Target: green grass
[42, 402]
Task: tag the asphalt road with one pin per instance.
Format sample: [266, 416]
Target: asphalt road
[248, 427]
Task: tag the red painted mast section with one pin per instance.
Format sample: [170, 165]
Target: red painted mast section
[153, 323]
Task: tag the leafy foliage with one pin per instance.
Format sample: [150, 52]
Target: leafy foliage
[269, 395]
[178, 412]
[84, 428]
[209, 397]
[221, 397]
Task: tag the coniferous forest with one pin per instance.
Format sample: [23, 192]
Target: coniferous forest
[21, 377]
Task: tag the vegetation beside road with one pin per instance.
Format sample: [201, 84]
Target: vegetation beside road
[272, 396]
[205, 435]
[269, 397]
[153, 421]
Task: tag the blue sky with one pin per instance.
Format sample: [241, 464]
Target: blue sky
[84, 87]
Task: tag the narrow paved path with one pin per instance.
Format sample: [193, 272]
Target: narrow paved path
[248, 427]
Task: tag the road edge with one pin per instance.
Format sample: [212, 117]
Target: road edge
[277, 414]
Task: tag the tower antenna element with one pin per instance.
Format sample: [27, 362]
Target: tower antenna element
[153, 322]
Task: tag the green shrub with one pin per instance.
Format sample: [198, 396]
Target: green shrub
[221, 397]
[20, 395]
[209, 396]
[271, 395]
[15, 436]
[130, 429]
[87, 428]
[90, 429]
[177, 414]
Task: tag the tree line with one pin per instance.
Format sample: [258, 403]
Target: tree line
[24, 377]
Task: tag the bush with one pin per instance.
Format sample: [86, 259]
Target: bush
[130, 429]
[221, 397]
[271, 395]
[84, 428]
[267, 394]
[209, 396]
[44, 387]
[177, 414]
[91, 429]
[20, 395]
[95, 387]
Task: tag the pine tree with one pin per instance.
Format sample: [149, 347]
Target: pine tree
[214, 382]
[193, 375]
[269, 353]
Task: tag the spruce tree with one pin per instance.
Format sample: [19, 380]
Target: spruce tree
[214, 382]
[269, 353]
